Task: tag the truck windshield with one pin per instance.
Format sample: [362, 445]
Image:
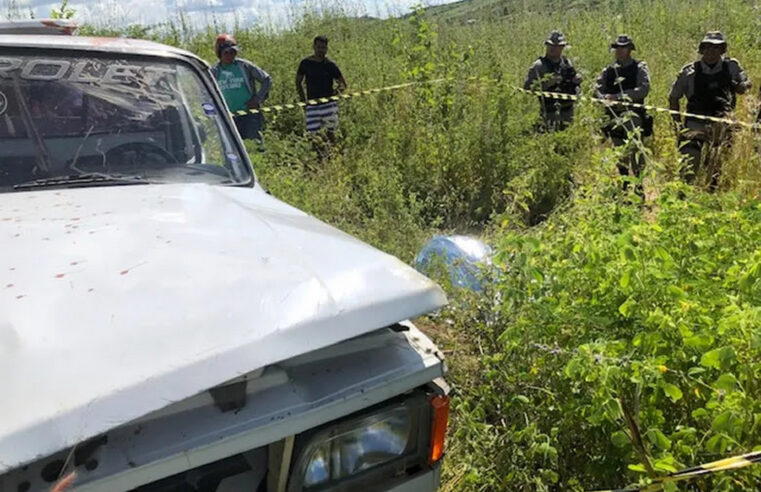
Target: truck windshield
[68, 120]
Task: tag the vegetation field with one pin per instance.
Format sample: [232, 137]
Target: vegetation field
[615, 342]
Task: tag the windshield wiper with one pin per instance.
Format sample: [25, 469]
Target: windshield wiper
[85, 179]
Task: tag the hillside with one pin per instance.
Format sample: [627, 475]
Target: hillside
[465, 11]
[617, 341]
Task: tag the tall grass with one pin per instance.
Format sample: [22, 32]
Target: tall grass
[452, 156]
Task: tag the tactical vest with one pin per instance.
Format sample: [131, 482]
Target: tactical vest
[565, 86]
[627, 80]
[628, 74]
[713, 94]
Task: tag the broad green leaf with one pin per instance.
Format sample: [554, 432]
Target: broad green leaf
[706, 321]
[723, 422]
[694, 371]
[720, 358]
[666, 464]
[676, 292]
[626, 308]
[726, 382]
[699, 413]
[672, 391]
[663, 254]
[637, 468]
[658, 439]
[717, 444]
[670, 487]
[698, 341]
[728, 423]
[684, 330]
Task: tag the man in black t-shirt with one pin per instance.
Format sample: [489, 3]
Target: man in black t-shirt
[321, 75]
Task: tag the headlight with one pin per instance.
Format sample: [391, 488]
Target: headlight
[373, 441]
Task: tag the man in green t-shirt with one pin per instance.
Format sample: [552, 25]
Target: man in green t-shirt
[238, 79]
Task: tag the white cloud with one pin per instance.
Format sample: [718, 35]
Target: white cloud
[272, 13]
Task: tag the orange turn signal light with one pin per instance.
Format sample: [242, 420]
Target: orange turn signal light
[440, 409]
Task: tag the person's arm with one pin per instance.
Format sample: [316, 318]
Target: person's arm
[576, 79]
[678, 90]
[675, 117]
[300, 82]
[740, 80]
[531, 77]
[337, 75]
[547, 80]
[642, 87]
[341, 84]
[536, 72]
[265, 83]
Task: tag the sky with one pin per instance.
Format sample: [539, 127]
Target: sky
[268, 13]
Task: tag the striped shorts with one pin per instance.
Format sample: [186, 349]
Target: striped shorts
[322, 116]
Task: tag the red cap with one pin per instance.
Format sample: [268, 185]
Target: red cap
[223, 42]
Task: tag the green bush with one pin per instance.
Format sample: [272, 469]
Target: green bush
[620, 345]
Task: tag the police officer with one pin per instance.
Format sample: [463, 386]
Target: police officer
[628, 80]
[711, 86]
[554, 73]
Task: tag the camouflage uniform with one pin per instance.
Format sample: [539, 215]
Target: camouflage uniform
[710, 91]
[628, 81]
[554, 76]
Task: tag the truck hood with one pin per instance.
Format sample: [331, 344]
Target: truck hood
[117, 301]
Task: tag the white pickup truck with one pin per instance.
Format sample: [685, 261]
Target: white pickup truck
[165, 323]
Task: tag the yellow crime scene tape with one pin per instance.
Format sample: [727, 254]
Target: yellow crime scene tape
[339, 97]
[549, 95]
[732, 463]
[605, 102]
